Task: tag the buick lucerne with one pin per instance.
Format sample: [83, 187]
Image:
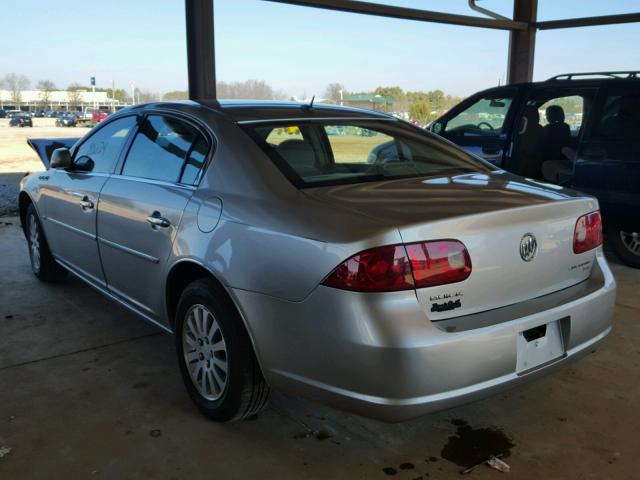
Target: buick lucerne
[337, 254]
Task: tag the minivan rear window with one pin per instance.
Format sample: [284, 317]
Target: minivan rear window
[314, 153]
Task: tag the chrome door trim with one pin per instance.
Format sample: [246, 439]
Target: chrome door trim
[154, 182]
[69, 227]
[128, 250]
[113, 297]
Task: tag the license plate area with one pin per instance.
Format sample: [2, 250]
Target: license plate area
[539, 345]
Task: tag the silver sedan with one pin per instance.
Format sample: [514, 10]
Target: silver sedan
[332, 253]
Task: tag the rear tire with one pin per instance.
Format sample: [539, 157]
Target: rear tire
[43, 264]
[216, 358]
[627, 246]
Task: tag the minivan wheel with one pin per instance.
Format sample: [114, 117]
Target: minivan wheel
[217, 361]
[627, 246]
[43, 264]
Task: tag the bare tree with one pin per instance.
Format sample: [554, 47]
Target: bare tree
[74, 95]
[16, 84]
[335, 92]
[45, 88]
[146, 96]
[249, 89]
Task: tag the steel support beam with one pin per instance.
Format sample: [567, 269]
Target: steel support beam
[201, 60]
[589, 21]
[522, 42]
[391, 11]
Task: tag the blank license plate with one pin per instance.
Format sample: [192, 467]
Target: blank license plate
[539, 345]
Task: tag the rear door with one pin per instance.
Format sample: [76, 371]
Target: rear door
[608, 160]
[141, 207]
[71, 198]
[482, 124]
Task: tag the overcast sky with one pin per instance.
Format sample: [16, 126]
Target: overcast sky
[296, 49]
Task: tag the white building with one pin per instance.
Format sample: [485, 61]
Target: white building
[57, 100]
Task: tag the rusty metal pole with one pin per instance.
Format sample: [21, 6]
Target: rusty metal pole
[522, 43]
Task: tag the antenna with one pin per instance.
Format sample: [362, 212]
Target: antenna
[310, 106]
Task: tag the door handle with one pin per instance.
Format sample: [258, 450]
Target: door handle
[86, 204]
[156, 220]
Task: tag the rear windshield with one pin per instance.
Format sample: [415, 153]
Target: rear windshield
[320, 153]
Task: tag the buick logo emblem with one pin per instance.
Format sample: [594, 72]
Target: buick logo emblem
[528, 247]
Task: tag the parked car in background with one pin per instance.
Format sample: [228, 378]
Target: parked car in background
[39, 114]
[21, 120]
[66, 120]
[98, 116]
[284, 257]
[13, 113]
[3, 113]
[577, 130]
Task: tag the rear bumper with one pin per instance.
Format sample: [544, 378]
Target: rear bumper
[378, 355]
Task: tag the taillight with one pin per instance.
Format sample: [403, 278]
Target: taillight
[382, 269]
[439, 262]
[588, 233]
[403, 267]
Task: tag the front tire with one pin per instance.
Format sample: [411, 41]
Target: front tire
[217, 361]
[43, 264]
[627, 246]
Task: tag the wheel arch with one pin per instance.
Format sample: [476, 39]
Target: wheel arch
[24, 200]
[186, 271]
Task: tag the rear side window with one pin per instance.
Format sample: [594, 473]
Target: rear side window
[619, 118]
[166, 149]
[101, 150]
[315, 153]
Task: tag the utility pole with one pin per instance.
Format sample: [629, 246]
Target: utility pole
[113, 96]
[133, 93]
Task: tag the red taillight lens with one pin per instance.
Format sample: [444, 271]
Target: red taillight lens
[588, 233]
[382, 269]
[439, 262]
[393, 268]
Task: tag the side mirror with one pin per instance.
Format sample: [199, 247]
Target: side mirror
[61, 158]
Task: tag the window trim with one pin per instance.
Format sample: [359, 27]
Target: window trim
[209, 136]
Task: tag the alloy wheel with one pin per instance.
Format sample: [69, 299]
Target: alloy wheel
[205, 352]
[34, 243]
[631, 240]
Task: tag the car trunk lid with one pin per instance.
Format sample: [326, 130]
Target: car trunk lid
[491, 215]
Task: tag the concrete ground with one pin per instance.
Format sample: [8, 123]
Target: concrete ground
[87, 390]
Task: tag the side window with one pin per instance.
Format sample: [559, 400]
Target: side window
[569, 110]
[485, 117]
[618, 118]
[162, 150]
[360, 145]
[100, 151]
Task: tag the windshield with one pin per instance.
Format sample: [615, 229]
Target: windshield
[321, 153]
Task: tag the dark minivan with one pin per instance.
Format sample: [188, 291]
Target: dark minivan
[579, 130]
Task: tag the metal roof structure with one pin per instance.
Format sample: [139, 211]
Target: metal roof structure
[522, 27]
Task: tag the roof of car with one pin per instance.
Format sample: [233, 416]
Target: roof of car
[264, 110]
[244, 111]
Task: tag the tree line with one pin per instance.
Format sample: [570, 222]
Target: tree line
[421, 106]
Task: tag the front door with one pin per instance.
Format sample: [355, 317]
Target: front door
[71, 198]
[141, 208]
[481, 124]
